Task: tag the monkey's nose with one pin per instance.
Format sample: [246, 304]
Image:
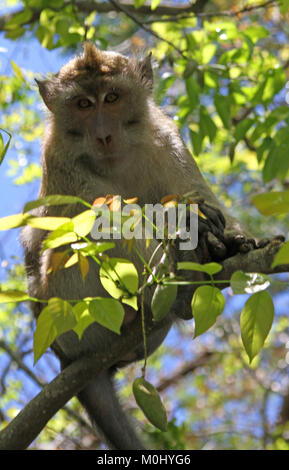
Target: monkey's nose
[105, 143]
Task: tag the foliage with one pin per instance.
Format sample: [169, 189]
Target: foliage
[223, 79]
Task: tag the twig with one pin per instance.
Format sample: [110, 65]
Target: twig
[186, 369]
[213, 14]
[140, 23]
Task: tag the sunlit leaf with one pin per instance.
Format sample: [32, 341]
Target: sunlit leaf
[282, 257]
[209, 268]
[4, 147]
[47, 223]
[13, 296]
[17, 70]
[107, 312]
[273, 203]
[207, 304]
[249, 283]
[54, 320]
[163, 299]
[54, 200]
[83, 317]
[83, 266]
[118, 276]
[13, 221]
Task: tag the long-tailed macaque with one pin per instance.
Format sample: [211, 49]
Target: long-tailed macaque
[105, 135]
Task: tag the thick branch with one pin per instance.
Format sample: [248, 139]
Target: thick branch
[186, 369]
[258, 261]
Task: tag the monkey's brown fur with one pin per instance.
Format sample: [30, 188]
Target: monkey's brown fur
[105, 135]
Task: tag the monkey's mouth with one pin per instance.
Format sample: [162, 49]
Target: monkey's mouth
[99, 167]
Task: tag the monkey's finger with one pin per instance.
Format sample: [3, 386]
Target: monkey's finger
[206, 226]
[217, 248]
[265, 241]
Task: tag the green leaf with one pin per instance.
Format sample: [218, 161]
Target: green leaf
[17, 19]
[93, 248]
[4, 147]
[13, 221]
[47, 223]
[256, 32]
[249, 283]
[55, 319]
[107, 312]
[150, 403]
[118, 276]
[154, 4]
[17, 70]
[84, 222]
[207, 125]
[282, 257]
[273, 203]
[15, 33]
[163, 299]
[193, 91]
[83, 317]
[207, 52]
[256, 321]
[264, 149]
[223, 109]
[54, 200]
[241, 128]
[63, 235]
[207, 304]
[284, 6]
[197, 140]
[13, 296]
[190, 68]
[161, 88]
[131, 301]
[209, 268]
[138, 3]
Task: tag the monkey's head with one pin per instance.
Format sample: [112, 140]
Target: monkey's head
[99, 103]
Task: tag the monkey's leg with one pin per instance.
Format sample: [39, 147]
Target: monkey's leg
[100, 400]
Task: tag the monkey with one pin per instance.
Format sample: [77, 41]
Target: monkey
[105, 135]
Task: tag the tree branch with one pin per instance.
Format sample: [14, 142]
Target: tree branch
[200, 361]
[174, 12]
[147, 29]
[258, 261]
[88, 7]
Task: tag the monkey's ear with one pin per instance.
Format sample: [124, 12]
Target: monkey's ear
[146, 71]
[47, 91]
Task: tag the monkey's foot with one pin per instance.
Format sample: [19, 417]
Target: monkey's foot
[238, 242]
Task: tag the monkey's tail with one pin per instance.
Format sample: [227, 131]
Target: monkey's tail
[100, 400]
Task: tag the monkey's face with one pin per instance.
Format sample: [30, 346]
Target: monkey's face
[106, 117]
[99, 103]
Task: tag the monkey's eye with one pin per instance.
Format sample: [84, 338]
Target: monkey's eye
[111, 97]
[84, 103]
